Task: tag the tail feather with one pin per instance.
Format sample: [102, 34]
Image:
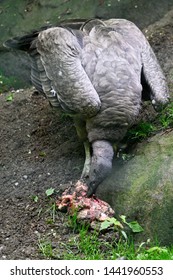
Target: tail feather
[24, 43]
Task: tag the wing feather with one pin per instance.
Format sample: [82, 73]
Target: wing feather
[60, 52]
[154, 76]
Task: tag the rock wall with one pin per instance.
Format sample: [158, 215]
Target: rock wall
[17, 17]
[142, 187]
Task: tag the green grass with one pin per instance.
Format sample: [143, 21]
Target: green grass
[84, 243]
[166, 117]
[141, 131]
[88, 246]
[45, 247]
[92, 245]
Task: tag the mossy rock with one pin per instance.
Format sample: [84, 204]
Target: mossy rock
[142, 188]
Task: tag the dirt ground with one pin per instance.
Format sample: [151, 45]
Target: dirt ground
[40, 150]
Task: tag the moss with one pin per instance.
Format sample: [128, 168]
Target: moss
[142, 188]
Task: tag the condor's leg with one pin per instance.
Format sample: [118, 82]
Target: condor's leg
[80, 125]
[87, 164]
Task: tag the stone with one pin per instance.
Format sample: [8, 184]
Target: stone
[141, 188]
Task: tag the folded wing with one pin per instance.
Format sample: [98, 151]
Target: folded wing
[60, 51]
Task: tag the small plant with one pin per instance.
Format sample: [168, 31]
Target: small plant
[118, 226]
[52, 208]
[72, 221]
[126, 157]
[141, 131]
[52, 213]
[166, 117]
[45, 248]
[50, 191]
[10, 97]
[42, 154]
[35, 198]
[134, 226]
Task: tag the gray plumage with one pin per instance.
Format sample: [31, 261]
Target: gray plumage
[96, 75]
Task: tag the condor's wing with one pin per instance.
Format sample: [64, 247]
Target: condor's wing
[60, 51]
[152, 74]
